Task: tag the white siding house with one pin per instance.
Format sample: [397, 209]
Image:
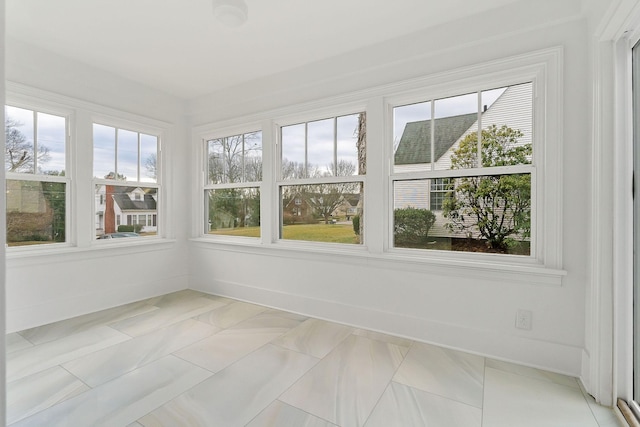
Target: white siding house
[513, 108]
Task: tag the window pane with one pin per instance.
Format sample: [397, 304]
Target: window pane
[235, 158]
[507, 126]
[19, 150]
[347, 145]
[127, 155]
[51, 144]
[148, 158]
[215, 161]
[253, 157]
[293, 151]
[104, 151]
[36, 212]
[322, 212]
[455, 118]
[128, 204]
[320, 148]
[233, 212]
[479, 214]
[412, 137]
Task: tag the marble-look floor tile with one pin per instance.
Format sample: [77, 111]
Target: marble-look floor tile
[399, 341]
[104, 365]
[181, 309]
[173, 298]
[235, 395]
[231, 314]
[534, 373]
[515, 400]
[270, 321]
[280, 414]
[447, 373]
[124, 400]
[345, 386]
[15, 342]
[314, 337]
[64, 328]
[221, 350]
[32, 394]
[403, 406]
[44, 356]
[605, 417]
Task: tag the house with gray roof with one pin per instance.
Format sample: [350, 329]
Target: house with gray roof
[128, 206]
[414, 151]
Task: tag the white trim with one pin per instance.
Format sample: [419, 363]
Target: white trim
[607, 360]
[556, 357]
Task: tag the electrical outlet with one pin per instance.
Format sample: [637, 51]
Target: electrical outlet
[524, 319]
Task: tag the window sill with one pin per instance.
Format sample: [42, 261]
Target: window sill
[510, 270]
[95, 250]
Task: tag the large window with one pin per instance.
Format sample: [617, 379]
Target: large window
[126, 185]
[462, 172]
[232, 191]
[37, 177]
[321, 184]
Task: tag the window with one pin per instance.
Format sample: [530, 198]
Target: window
[37, 180]
[462, 173]
[439, 189]
[232, 191]
[322, 168]
[125, 170]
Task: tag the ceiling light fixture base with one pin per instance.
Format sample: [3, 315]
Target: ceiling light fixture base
[232, 13]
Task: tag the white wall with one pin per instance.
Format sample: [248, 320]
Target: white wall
[45, 286]
[3, 228]
[474, 313]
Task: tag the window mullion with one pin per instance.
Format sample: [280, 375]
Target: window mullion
[35, 142]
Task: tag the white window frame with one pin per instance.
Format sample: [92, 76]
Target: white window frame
[544, 70]
[205, 186]
[139, 128]
[543, 267]
[42, 106]
[306, 118]
[432, 173]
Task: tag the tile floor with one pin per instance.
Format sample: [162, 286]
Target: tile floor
[191, 359]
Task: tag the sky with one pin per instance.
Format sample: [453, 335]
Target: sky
[129, 162]
[320, 141]
[50, 133]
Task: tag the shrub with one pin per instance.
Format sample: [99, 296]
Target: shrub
[125, 228]
[356, 224]
[412, 225]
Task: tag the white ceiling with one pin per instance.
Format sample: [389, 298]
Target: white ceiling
[177, 46]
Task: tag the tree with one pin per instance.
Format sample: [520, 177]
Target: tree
[235, 159]
[411, 226]
[361, 145]
[19, 152]
[150, 163]
[498, 207]
[325, 198]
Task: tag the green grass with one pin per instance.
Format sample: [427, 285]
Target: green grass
[333, 233]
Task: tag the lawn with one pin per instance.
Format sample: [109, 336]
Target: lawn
[334, 233]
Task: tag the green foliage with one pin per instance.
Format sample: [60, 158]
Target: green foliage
[126, 228]
[356, 224]
[54, 193]
[234, 207]
[497, 207]
[412, 225]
